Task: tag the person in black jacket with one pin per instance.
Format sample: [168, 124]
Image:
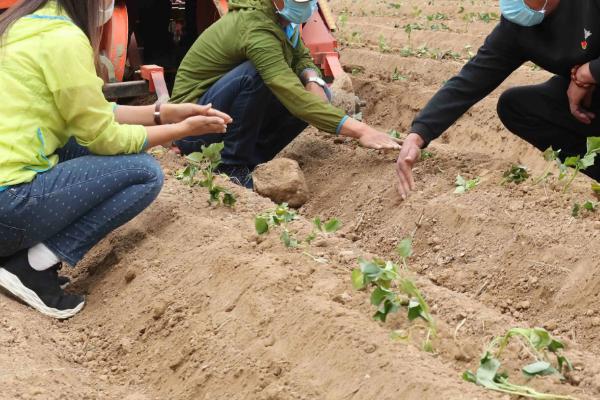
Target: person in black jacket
[562, 37]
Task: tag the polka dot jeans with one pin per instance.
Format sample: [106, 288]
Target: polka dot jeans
[74, 205]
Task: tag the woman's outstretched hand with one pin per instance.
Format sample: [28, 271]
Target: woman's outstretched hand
[175, 113]
[201, 125]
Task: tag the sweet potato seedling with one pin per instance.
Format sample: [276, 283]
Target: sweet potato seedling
[425, 155]
[589, 206]
[463, 185]
[394, 290]
[323, 228]
[540, 344]
[552, 156]
[206, 162]
[577, 163]
[281, 216]
[516, 173]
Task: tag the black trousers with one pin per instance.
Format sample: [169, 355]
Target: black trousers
[540, 115]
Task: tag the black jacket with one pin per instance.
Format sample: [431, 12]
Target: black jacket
[569, 36]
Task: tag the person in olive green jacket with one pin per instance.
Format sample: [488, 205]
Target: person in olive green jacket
[253, 65]
[73, 167]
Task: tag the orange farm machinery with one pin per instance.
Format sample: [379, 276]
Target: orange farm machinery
[146, 39]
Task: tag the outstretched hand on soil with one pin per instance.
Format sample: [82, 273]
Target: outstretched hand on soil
[409, 155]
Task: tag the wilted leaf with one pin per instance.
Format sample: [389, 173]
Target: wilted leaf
[541, 368]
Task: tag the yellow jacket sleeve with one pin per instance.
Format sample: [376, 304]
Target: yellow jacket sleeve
[70, 75]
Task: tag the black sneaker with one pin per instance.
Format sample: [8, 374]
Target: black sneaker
[40, 290]
[238, 174]
[63, 281]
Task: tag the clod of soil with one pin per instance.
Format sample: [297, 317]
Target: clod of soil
[282, 181]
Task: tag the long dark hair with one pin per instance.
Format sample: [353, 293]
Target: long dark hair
[84, 13]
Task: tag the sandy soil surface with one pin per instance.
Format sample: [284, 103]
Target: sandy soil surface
[186, 302]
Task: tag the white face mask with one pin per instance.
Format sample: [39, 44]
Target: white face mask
[104, 15]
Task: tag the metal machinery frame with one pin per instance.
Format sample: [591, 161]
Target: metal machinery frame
[119, 46]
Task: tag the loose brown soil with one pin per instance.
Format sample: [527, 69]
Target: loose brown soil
[186, 302]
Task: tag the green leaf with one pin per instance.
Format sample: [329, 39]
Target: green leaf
[541, 368]
[414, 310]
[575, 209]
[318, 224]
[460, 181]
[196, 157]
[379, 295]
[309, 239]
[261, 225]
[593, 144]
[428, 346]
[288, 240]
[426, 155]
[587, 161]
[213, 152]
[460, 190]
[572, 161]
[333, 225]
[358, 279]
[555, 345]
[488, 369]
[596, 188]
[590, 205]
[369, 267]
[404, 248]
[563, 362]
[229, 199]
[550, 154]
[472, 183]
[469, 377]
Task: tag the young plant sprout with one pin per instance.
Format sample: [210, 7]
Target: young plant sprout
[577, 163]
[516, 173]
[540, 344]
[393, 290]
[590, 206]
[282, 216]
[426, 155]
[206, 162]
[323, 228]
[463, 185]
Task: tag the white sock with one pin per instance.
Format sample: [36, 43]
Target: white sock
[41, 258]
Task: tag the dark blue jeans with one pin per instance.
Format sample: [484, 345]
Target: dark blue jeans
[261, 127]
[74, 205]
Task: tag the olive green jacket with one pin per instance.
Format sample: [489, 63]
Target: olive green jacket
[251, 31]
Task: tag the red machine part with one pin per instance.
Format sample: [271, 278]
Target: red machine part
[322, 45]
[7, 3]
[155, 76]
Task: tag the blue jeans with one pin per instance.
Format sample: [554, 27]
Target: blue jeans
[74, 205]
[261, 127]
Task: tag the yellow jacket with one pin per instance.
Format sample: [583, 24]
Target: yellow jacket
[50, 93]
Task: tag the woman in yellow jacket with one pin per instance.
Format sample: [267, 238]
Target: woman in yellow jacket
[72, 165]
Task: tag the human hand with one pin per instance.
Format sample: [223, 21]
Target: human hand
[580, 97]
[174, 113]
[373, 139]
[201, 125]
[409, 155]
